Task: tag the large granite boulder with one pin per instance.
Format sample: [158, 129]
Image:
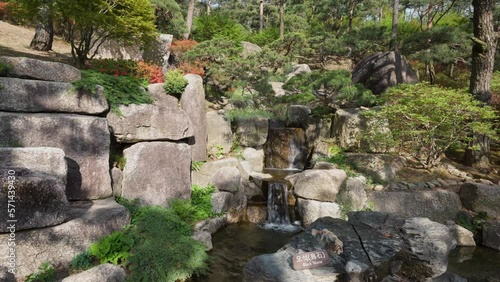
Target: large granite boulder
[491, 235]
[298, 69]
[221, 201]
[481, 198]
[156, 172]
[203, 176]
[430, 241]
[255, 158]
[226, 179]
[361, 250]
[298, 116]
[163, 120]
[22, 95]
[84, 139]
[382, 70]
[102, 273]
[381, 168]
[438, 205]
[41, 70]
[349, 127]
[117, 179]
[311, 210]
[220, 136]
[252, 133]
[320, 185]
[353, 196]
[38, 199]
[88, 221]
[249, 49]
[193, 103]
[40, 159]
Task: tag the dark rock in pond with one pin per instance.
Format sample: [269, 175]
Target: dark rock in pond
[297, 116]
[491, 235]
[383, 70]
[373, 246]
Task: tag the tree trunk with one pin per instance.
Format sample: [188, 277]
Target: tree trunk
[44, 34]
[352, 5]
[189, 19]
[483, 59]
[282, 19]
[209, 7]
[261, 16]
[395, 19]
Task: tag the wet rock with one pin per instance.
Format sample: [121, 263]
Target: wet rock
[205, 238]
[286, 148]
[464, 237]
[491, 235]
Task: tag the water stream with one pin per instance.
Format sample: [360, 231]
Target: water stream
[476, 264]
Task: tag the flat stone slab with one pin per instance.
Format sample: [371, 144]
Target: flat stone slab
[84, 139]
[36, 96]
[40, 159]
[88, 221]
[102, 273]
[43, 70]
[31, 200]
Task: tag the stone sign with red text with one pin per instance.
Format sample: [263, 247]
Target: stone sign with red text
[310, 260]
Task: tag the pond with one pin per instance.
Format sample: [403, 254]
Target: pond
[235, 245]
[476, 264]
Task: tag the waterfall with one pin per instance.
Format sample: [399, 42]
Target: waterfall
[277, 203]
[286, 148]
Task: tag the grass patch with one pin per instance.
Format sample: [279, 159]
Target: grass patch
[199, 207]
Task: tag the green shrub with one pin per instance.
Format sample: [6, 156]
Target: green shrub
[425, 120]
[199, 207]
[175, 83]
[337, 156]
[46, 273]
[165, 250]
[82, 261]
[266, 37]
[114, 248]
[218, 26]
[118, 90]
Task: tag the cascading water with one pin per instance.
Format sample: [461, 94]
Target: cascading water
[277, 203]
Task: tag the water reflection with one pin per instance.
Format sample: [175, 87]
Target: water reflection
[235, 245]
[476, 264]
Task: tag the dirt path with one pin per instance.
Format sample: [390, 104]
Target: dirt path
[15, 41]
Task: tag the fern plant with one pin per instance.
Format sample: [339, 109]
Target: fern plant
[114, 248]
